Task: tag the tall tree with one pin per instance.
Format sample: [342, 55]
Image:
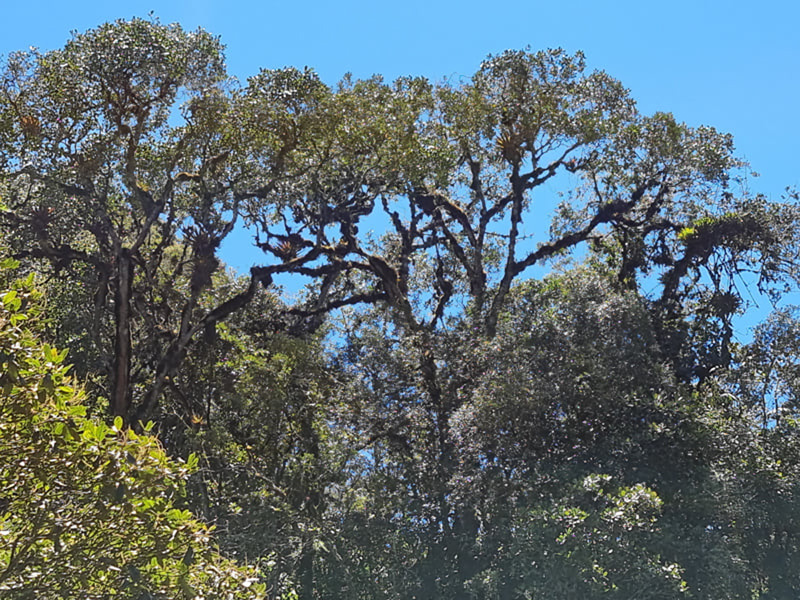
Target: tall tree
[99, 182]
[456, 172]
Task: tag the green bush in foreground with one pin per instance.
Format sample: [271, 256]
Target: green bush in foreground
[89, 510]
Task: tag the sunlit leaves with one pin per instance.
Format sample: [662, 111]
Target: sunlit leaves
[89, 509]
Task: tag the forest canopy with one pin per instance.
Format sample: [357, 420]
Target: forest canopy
[453, 406]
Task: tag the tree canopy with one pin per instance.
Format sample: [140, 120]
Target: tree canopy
[456, 405]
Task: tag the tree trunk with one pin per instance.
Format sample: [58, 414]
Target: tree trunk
[121, 393]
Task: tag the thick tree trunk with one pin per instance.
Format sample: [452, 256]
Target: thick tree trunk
[305, 569]
[121, 393]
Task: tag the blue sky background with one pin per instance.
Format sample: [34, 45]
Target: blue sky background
[734, 65]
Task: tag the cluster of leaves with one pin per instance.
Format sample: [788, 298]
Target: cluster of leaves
[262, 402]
[90, 510]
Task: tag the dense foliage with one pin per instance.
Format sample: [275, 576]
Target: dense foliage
[89, 510]
[453, 407]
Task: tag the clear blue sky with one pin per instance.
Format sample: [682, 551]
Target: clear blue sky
[732, 64]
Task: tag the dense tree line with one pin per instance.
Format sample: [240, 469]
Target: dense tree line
[452, 407]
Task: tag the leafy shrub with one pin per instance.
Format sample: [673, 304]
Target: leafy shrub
[86, 509]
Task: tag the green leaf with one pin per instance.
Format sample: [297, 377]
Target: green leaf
[9, 297]
[192, 461]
